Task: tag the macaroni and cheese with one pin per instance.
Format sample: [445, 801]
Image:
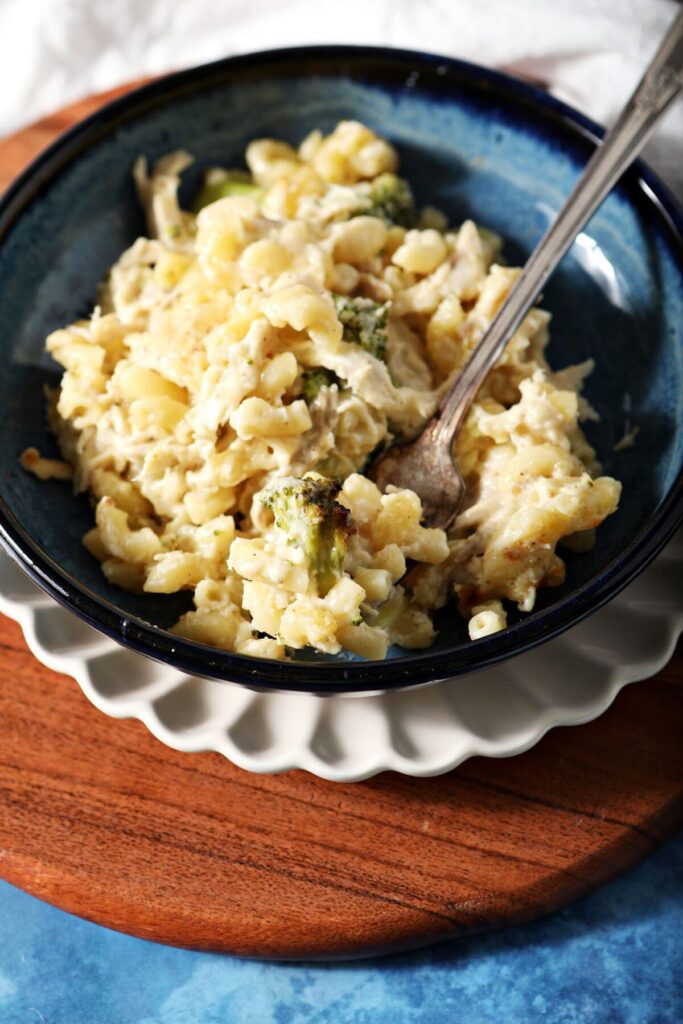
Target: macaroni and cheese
[245, 361]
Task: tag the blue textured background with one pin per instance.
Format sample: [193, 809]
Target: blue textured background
[612, 958]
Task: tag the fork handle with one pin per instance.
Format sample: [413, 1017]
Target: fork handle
[658, 88]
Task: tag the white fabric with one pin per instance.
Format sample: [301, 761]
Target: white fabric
[589, 52]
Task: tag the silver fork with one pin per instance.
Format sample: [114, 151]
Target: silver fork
[427, 465]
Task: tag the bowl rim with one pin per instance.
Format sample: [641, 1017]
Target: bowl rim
[341, 676]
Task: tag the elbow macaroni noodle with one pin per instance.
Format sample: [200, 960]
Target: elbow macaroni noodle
[182, 399]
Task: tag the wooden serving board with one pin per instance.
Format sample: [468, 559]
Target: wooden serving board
[101, 819]
[98, 817]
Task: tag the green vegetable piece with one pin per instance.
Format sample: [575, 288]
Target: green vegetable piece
[364, 323]
[307, 511]
[331, 468]
[389, 611]
[219, 183]
[391, 198]
[312, 381]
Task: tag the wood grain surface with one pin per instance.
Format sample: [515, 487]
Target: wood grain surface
[98, 817]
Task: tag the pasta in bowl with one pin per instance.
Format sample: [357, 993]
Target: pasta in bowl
[245, 361]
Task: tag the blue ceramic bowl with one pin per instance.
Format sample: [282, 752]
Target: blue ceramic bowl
[475, 143]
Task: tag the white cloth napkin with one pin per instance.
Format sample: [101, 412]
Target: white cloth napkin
[588, 52]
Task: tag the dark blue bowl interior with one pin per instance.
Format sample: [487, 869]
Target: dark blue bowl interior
[472, 143]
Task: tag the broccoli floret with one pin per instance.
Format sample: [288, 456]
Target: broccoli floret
[313, 380]
[391, 198]
[307, 511]
[220, 183]
[364, 323]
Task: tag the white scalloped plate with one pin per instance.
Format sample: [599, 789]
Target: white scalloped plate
[497, 712]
